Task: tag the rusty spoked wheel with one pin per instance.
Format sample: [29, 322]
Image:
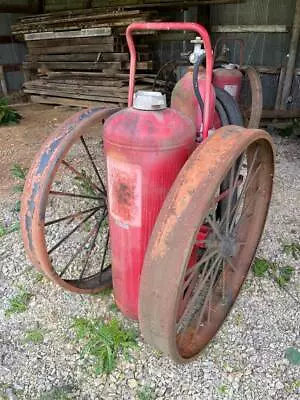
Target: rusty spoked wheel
[184, 299]
[64, 208]
[252, 83]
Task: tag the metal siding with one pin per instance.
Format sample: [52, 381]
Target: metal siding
[13, 53]
[268, 49]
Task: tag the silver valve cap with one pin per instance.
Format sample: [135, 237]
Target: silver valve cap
[149, 101]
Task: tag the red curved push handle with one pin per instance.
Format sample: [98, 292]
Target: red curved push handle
[174, 26]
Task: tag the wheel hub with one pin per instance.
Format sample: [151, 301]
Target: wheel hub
[228, 246]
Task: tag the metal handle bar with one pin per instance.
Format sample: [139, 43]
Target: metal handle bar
[175, 26]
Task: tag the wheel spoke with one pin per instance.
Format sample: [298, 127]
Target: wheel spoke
[80, 196]
[81, 176]
[98, 226]
[239, 200]
[93, 164]
[72, 216]
[231, 190]
[196, 267]
[228, 259]
[202, 281]
[209, 293]
[78, 251]
[212, 222]
[105, 252]
[71, 232]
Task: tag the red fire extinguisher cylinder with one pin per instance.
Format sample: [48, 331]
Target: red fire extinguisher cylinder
[145, 145]
[228, 78]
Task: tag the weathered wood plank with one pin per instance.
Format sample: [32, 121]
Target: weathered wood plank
[103, 31]
[84, 66]
[84, 88]
[38, 23]
[72, 49]
[69, 102]
[100, 40]
[101, 82]
[75, 95]
[95, 57]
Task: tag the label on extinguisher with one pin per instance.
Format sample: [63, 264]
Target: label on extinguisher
[124, 192]
[231, 89]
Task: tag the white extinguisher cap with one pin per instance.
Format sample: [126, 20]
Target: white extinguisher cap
[149, 101]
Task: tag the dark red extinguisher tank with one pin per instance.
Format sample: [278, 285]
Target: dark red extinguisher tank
[146, 145]
[228, 78]
[184, 100]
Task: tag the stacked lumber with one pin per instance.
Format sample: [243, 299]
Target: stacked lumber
[83, 59]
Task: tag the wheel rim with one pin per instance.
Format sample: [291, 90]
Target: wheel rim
[64, 207]
[213, 283]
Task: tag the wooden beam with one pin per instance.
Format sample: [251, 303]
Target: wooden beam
[104, 31]
[250, 28]
[284, 114]
[289, 75]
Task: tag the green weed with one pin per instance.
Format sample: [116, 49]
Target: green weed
[34, 336]
[113, 307]
[292, 249]
[19, 172]
[222, 389]
[6, 230]
[63, 393]
[84, 184]
[260, 267]
[103, 342]
[8, 116]
[281, 275]
[145, 393]
[18, 303]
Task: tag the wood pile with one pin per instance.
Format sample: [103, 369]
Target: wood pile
[82, 59]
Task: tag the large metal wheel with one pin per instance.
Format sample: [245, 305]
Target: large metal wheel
[64, 208]
[184, 298]
[252, 83]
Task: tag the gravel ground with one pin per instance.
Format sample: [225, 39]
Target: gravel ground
[245, 361]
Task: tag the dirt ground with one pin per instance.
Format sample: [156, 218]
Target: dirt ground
[19, 143]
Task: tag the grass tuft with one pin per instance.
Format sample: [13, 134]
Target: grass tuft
[19, 172]
[292, 249]
[18, 303]
[145, 393]
[264, 268]
[103, 342]
[63, 393]
[34, 336]
[6, 230]
[8, 116]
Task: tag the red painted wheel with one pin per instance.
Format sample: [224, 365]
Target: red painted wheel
[183, 304]
[64, 208]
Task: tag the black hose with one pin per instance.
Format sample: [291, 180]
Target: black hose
[230, 107]
[198, 62]
[229, 114]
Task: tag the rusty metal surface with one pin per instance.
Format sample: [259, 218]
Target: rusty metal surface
[37, 187]
[173, 237]
[256, 94]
